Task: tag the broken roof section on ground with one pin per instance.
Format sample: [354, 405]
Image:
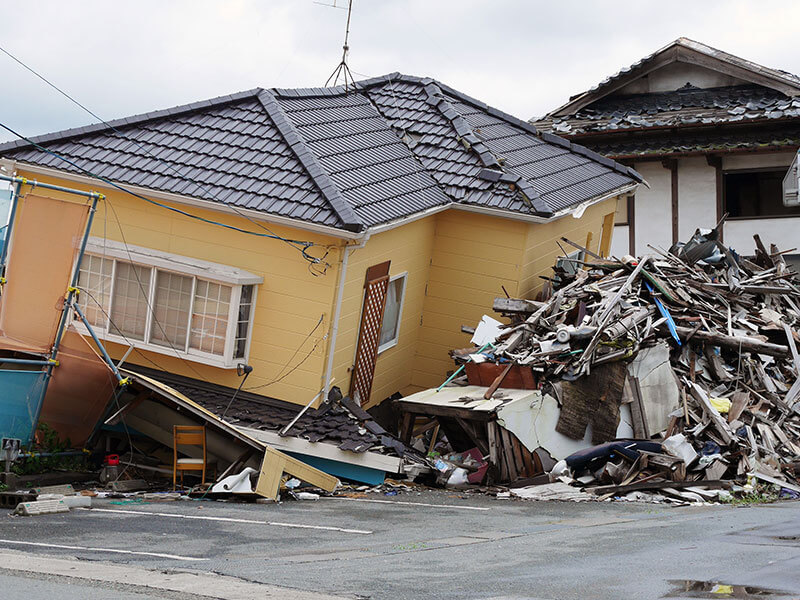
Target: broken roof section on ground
[347, 160]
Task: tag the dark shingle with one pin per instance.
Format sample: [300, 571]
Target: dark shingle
[391, 147]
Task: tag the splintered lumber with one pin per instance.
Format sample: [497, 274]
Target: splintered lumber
[516, 305]
[657, 485]
[276, 463]
[721, 424]
[726, 328]
[746, 344]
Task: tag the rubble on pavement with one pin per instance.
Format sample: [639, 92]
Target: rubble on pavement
[697, 347]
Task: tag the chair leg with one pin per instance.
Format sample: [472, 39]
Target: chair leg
[174, 479]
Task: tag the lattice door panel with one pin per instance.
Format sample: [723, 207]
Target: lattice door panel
[375, 287]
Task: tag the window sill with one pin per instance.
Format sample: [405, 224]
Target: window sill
[204, 359]
[387, 346]
[763, 217]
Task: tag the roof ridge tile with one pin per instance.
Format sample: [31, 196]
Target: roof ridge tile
[310, 162]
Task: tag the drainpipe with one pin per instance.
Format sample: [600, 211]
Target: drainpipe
[337, 311]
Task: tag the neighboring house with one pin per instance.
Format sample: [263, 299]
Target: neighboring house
[711, 134]
[421, 204]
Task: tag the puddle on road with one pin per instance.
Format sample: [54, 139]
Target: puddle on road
[685, 588]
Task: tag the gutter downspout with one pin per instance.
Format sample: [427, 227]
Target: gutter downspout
[337, 311]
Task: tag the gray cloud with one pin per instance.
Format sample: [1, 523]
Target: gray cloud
[525, 57]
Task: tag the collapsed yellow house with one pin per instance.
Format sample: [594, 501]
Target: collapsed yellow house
[323, 236]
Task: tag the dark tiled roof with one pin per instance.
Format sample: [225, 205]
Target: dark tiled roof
[688, 106]
[683, 48]
[698, 141]
[349, 159]
[332, 425]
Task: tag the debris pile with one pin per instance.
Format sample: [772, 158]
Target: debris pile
[698, 346]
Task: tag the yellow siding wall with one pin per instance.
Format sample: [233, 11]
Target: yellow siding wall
[474, 257]
[542, 251]
[289, 303]
[456, 261]
[409, 249]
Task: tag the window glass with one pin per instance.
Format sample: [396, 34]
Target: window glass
[569, 264]
[756, 194]
[391, 314]
[129, 305]
[186, 313]
[171, 310]
[210, 317]
[243, 321]
[94, 283]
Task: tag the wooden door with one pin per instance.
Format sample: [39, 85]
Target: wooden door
[375, 287]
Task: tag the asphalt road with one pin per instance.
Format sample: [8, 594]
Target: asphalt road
[433, 545]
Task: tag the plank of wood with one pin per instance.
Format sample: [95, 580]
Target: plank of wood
[472, 433]
[407, 427]
[739, 401]
[497, 381]
[492, 435]
[658, 485]
[518, 460]
[417, 408]
[276, 463]
[516, 305]
[792, 349]
[720, 424]
[638, 416]
[734, 343]
[508, 454]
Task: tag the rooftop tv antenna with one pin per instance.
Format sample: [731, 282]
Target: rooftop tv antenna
[342, 70]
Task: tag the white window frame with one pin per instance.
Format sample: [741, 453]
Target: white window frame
[576, 255]
[156, 261]
[394, 341]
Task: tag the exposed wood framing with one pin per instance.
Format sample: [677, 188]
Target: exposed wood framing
[672, 165]
[716, 162]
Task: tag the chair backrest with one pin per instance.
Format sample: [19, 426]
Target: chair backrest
[190, 435]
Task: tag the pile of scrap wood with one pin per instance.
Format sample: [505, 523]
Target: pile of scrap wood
[700, 343]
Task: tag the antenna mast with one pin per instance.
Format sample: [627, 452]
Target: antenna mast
[342, 70]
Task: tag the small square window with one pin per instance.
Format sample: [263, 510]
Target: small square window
[392, 313]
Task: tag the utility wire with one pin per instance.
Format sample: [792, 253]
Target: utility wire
[303, 246]
[281, 376]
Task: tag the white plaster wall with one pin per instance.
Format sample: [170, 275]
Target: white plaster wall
[757, 161]
[653, 212]
[784, 233]
[697, 196]
[619, 241]
[675, 75]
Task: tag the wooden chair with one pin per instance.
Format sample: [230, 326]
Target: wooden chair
[188, 435]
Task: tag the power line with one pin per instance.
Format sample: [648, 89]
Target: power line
[281, 376]
[300, 245]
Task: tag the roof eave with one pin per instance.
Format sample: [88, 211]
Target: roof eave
[686, 51]
[189, 201]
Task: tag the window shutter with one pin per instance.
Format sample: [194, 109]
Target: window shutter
[375, 286]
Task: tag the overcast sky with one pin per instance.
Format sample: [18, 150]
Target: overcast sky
[525, 57]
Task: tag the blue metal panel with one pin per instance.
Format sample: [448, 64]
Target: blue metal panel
[21, 400]
[342, 469]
